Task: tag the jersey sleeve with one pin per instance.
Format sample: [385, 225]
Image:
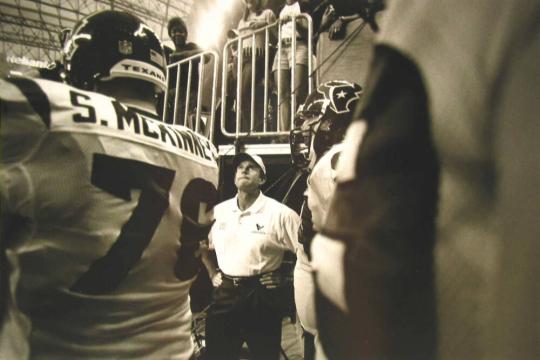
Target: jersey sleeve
[16, 191]
[25, 118]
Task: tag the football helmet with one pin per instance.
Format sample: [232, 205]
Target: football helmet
[322, 119]
[112, 44]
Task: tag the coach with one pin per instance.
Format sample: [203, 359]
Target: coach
[250, 236]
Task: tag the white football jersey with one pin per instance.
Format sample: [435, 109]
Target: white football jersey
[95, 195]
[321, 183]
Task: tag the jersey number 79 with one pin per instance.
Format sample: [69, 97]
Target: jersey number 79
[118, 176]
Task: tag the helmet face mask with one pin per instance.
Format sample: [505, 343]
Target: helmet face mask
[301, 139]
[112, 44]
[322, 120]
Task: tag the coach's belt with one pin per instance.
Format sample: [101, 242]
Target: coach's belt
[242, 281]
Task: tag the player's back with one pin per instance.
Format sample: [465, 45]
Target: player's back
[96, 196]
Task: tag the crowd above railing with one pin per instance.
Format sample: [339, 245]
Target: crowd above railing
[253, 104]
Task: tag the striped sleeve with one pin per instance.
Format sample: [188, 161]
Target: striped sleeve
[25, 116]
[24, 110]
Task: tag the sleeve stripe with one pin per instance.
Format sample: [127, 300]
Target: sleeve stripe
[36, 97]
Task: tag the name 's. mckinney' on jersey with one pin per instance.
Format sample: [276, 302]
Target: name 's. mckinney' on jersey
[65, 108]
[99, 203]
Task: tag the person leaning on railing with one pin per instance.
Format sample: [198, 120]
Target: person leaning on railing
[255, 17]
[282, 61]
[178, 32]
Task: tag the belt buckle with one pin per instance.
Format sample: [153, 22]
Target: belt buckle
[236, 282]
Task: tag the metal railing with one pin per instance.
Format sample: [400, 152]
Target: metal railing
[177, 105]
[268, 107]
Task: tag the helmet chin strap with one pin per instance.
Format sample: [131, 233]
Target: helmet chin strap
[312, 154]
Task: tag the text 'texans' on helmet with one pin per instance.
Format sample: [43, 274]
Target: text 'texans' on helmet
[322, 119]
[112, 44]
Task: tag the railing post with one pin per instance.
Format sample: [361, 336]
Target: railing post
[199, 61]
[292, 98]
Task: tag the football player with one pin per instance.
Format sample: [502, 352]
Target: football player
[316, 143]
[103, 204]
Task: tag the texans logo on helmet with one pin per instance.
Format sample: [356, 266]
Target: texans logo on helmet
[341, 96]
[337, 95]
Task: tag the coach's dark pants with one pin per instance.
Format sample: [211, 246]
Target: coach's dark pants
[244, 311]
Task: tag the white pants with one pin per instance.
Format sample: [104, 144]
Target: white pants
[304, 297]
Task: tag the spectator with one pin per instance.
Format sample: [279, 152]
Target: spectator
[283, 61]
[99, 209]
[230, 93]
[255, 17]
[344, 40]
[178, 32]
[316, 143]
[250, 236]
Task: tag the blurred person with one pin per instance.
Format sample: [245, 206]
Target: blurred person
[250, 236]
[449, 154]
[283, 61]
[345, 41]
[255, 16]
[316, 144]
[230, 92]
[103, 205]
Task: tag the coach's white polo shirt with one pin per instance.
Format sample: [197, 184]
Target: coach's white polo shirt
[253, 241]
